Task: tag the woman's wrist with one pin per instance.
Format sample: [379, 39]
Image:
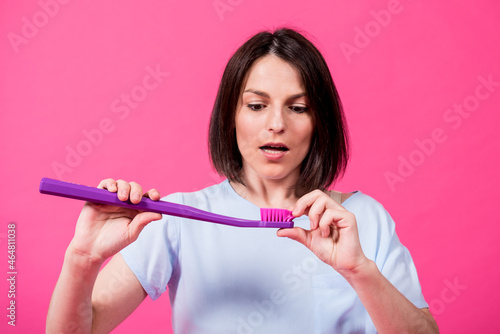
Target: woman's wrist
[81, 260]
[361, 273]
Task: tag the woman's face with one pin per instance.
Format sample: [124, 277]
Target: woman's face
[274, 125]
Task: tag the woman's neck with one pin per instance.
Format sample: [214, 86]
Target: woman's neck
[267, 193]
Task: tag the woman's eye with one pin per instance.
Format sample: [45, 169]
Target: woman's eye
[256, 106]
[298, 109]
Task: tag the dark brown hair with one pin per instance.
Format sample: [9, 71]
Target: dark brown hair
[328, 155]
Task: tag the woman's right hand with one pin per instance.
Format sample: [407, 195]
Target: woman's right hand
[104, 230]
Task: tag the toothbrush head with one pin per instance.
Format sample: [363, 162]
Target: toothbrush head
[276, 216]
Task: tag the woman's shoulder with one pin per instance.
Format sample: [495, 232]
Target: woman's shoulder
[359, 201]
[369, 212]
[344, 197]
[341, 197]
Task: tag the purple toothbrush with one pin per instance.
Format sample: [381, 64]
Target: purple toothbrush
[274, 218]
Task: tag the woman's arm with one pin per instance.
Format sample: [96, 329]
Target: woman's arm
[390, 311]
[334, 239]
[84, 299]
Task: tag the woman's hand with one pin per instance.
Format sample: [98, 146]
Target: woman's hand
[333, 236]
[103, 230]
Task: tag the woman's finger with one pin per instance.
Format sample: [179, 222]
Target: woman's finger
[140, 221]
[326, 222]
[123, 190]
[305, 202]
[314, 204]
[135, 192]
[109, 184]
[316, 211]
[295, 233]
[153, 194]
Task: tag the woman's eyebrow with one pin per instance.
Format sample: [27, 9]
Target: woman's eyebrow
[264, 94]
[297, 96]
[257, 92]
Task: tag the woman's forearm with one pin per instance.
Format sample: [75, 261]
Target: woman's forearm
[390, 311]
[70, 309]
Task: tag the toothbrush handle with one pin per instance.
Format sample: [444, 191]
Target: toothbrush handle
[102, 196]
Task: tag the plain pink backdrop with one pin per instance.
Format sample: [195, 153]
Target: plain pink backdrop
[420, 82]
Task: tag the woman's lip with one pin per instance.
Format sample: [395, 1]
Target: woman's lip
[275, 145]
[273, 155]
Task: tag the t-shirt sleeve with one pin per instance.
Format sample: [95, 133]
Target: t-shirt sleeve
[153, 256]
[381, 244]
[396, 264]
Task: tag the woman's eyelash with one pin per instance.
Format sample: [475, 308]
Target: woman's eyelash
[298, 109]
[256, 106]
[260, 106]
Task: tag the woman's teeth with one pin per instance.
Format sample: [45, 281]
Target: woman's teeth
[274, 150]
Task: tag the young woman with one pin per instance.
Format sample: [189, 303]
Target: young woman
[277, 133]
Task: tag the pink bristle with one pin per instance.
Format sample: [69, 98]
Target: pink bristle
[276, 215]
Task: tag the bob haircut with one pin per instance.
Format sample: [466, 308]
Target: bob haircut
[329, 151]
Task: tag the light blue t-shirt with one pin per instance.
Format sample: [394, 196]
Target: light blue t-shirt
[224, 279]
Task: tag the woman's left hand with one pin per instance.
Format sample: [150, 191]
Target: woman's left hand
[333, 236]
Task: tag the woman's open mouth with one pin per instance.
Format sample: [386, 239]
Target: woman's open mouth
[274, 151]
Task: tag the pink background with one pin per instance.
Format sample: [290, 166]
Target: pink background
[65, 67]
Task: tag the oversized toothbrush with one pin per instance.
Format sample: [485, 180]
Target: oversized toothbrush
[270, 218]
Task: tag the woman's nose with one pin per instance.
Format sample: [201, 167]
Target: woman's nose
[276, 121]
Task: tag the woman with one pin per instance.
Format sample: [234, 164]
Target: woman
[277, 133]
